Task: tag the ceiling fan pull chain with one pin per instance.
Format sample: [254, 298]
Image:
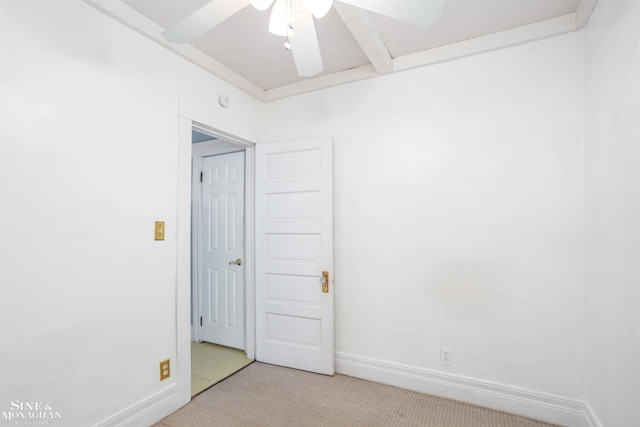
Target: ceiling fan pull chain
[290, 25]
[289, 15]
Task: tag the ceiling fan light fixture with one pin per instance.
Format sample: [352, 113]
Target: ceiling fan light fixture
[318, 8]
[279, 20]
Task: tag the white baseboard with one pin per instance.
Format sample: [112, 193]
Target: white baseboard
[527, 403]
[148, 411]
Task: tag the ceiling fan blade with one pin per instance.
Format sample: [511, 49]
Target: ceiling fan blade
[417, 12]
[261, 4]
[304, 45]
[203, 20]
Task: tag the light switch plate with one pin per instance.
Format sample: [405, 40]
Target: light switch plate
[159, 230]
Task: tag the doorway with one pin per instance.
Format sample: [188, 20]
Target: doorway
[218, 319]
[238, 136]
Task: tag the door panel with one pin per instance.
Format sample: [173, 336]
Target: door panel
[294, 245]
[222, 293]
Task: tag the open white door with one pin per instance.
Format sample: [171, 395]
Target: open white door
[294, 246]
[222, 250]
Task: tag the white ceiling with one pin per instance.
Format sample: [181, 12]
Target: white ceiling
[242, 51]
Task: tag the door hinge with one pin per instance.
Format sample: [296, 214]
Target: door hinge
[201, 176]
[200, 320]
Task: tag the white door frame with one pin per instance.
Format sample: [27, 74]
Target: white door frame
[244, 135]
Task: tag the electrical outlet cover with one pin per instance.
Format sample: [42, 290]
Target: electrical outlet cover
[165, 369]
[445, 356]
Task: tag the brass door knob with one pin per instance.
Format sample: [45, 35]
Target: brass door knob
[324, 280]
[236, 262]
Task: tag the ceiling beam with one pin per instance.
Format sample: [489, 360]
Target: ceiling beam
[503, 39]
[366, 34]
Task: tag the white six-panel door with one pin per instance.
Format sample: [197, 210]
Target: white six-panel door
[222, 250]
[294, 246]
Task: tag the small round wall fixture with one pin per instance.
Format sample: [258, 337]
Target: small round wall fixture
[224, 100]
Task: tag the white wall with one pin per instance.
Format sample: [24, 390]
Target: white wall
[612, 211]
[459, 213]
[89, 162]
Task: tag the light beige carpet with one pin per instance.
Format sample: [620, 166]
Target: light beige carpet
[266, 395]
[211, 363]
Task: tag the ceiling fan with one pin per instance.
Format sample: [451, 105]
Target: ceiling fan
[294, 19]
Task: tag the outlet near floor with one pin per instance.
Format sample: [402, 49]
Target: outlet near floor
[445, 356]
[165, 369]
